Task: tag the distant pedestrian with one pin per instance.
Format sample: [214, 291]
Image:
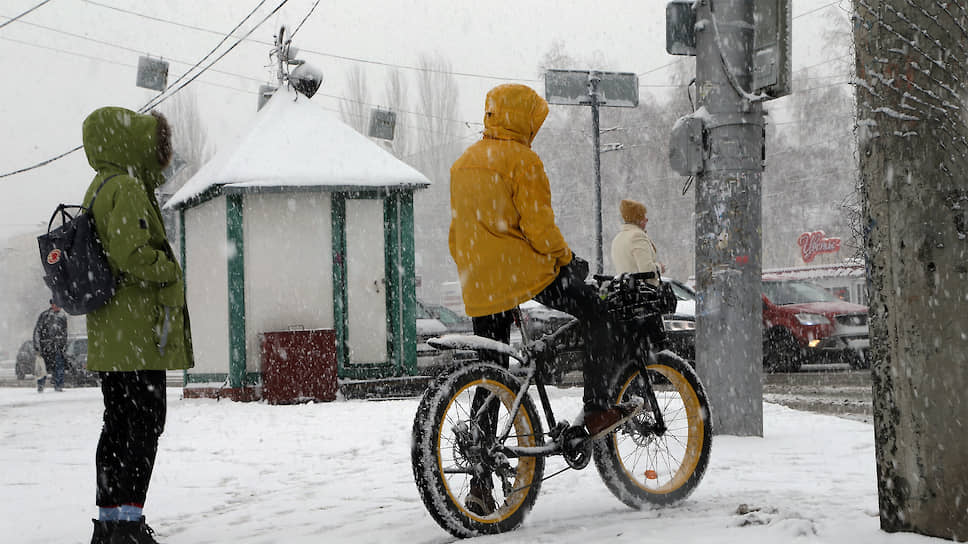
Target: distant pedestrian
[50, 341]
[632, 249]
[143, 330]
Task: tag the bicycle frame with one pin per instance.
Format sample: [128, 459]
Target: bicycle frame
[531, 359]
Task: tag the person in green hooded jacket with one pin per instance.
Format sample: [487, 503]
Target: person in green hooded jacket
[144, 329]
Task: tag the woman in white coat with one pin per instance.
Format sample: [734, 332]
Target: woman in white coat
[632, 249]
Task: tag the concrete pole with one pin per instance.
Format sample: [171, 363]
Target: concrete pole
[913, 157]
[729, 332]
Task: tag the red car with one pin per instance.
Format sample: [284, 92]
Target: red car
[803, 323]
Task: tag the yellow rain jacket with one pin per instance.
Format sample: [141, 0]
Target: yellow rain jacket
[503, 235]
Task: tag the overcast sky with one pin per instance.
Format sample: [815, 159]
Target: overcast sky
[70, 57]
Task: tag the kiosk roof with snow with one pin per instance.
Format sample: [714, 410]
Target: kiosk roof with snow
[293, 143]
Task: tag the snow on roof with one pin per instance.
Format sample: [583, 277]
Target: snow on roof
[846, 269]
[293, 142]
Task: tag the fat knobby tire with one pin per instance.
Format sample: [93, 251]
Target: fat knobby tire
[640, 467]
[441, 469]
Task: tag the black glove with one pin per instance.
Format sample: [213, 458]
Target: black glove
[579, 267]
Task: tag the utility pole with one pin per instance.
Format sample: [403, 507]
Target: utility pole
[722, 144]
[913, 158]
[729, 320]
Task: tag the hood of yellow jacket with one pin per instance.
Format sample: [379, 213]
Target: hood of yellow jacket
[514, 112]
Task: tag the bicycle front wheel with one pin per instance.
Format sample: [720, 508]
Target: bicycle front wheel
[643, 463]
[454, 443]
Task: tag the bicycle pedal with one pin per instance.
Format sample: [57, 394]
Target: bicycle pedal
[558, 429]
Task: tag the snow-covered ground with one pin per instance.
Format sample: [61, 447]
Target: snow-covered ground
[340, 472]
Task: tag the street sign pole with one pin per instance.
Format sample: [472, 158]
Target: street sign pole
[595, 89]
[593, 80]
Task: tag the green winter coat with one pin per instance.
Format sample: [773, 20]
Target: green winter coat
[145, 325]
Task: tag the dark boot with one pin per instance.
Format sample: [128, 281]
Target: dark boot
[133, 532]
[600, 422]
[102, 532]
[480, 500]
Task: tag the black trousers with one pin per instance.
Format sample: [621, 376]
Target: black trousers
[570, 294]
[134, 418]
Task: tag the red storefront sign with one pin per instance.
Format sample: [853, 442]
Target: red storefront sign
[813, 243]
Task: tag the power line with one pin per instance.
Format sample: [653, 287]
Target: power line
[452, 142]
[214, 49]
[814, 119]
[313, 51]
[117, 46]
[311, 10]
[12, 19]
[42, 163]
[128, 65]
[178, 61]
[156, 100]
[224, 72]
[808, 12]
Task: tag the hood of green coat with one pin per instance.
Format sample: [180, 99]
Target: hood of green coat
[117, 138]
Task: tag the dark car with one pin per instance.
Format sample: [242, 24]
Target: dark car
[680, 326]
[456, 323]
[803, 323]
[25, 360]
[75, 363]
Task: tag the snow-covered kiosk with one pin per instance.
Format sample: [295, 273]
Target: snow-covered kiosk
[305, 224]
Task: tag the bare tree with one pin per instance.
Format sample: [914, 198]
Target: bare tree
[396, 101]
[810, 166]
[189, 139]
[914, 154]
[439, 145]
[353, 108]
[437, 98]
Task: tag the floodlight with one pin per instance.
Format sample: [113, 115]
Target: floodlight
[306, 79]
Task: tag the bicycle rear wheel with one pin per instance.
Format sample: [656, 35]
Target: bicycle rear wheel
[640, 464]
[450, 446]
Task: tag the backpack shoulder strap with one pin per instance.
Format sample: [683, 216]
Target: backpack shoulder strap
[99, 187]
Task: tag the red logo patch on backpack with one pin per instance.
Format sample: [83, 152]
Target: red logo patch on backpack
[54, 256]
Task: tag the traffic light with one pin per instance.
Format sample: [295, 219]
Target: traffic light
[771, 41]
[772, 48]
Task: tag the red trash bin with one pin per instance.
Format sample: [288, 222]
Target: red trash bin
[298, 366]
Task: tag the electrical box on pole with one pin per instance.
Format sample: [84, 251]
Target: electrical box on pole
[595, 89]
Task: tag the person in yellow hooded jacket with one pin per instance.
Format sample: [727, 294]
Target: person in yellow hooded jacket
[508, 250]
